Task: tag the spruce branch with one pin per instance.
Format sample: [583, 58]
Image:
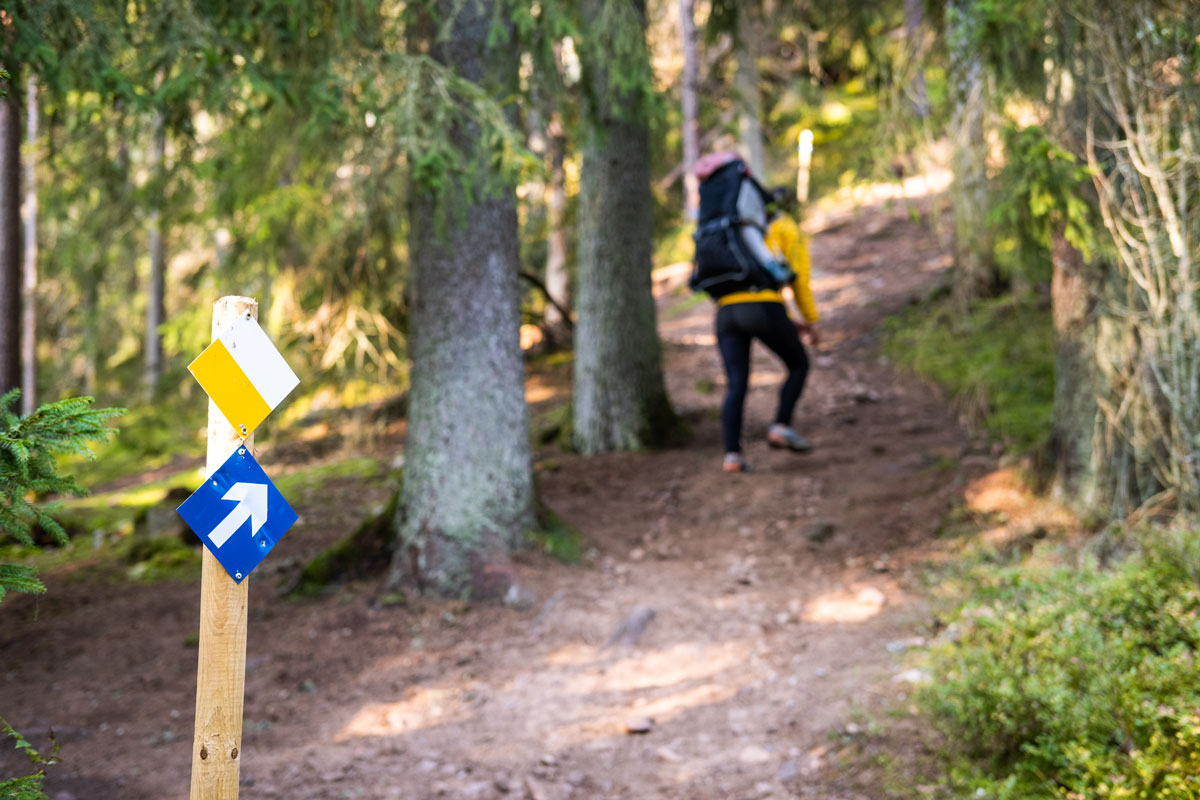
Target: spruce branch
[29, 447]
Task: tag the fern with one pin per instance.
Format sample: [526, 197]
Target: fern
[29, 447]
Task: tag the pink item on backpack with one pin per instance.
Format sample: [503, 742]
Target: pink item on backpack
[712, 162]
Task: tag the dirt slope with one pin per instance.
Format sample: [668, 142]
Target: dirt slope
[775, 596]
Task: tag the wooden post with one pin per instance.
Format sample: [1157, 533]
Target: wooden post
[804, 148]
[221, 676]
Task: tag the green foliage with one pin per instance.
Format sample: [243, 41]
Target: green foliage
[28, 787]
[997, 363]
[1009, 35]
[28, 447]
[161, 559]
[617, 76]
[435, 99]
[555, 537]
[1076, 681]
[301, 482]
[1040, 192]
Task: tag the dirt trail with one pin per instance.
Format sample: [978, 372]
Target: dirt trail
[775, 597]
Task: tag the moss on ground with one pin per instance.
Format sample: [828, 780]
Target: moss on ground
[364, 552]
[996, 363]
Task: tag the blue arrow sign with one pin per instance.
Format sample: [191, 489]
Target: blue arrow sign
[238, 514]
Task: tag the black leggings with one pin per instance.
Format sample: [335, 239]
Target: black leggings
[737, 326]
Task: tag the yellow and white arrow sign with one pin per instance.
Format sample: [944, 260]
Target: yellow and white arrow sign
[244, 374]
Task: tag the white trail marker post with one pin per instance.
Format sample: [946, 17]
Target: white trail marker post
[804, 150]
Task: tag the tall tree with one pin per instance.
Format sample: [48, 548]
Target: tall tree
[1077, 380]
[10, 238]
[157, 245]
[747, 87]
[691, 124]
[914, 20]
[468, 486]
[29, 299]
[1143, 151]
[557, 276]
[974, 270]
[620, 400]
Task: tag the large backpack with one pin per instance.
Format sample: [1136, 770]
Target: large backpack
[723, 264]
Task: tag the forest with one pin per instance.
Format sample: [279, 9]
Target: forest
[554, 530]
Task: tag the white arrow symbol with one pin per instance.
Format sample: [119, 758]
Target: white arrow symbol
[251, 501]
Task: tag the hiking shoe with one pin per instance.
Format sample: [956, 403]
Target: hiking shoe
[781, 436]
[735, 462]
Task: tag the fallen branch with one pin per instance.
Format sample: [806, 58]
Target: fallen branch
[540, 286]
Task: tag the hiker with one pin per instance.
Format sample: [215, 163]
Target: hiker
[735, 265]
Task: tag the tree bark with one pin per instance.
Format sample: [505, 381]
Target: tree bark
[691, 124]
[10, 240]
[974, 272]
[557, 278]
[746, 86]
[1076, 379]
[468, 485]
[620, 400]
[29, 318]
[156, 289]
[914, 19]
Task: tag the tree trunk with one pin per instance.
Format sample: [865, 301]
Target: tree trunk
[974, 272]
[691, 124]
[10, 240]
[155, 311]
[1076, 380]
[468, 483]
[557, 279]
[914, 19]
[29, 318]
[746, 85]
[620, 401]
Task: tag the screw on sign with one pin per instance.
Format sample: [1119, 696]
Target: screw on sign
[239, 515]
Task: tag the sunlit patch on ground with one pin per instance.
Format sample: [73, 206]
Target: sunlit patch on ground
[421, 708]
[914, 187]
[1014, 511]
[845, 606]
[681, 664]
[1001, 490]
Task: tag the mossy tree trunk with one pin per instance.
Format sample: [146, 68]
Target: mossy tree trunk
[1138, 353]
[468, 486]
[1077, 382]
[10, 240]
[620, 400]
[974, 270]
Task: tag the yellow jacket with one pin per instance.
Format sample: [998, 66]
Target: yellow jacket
[785, 239]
